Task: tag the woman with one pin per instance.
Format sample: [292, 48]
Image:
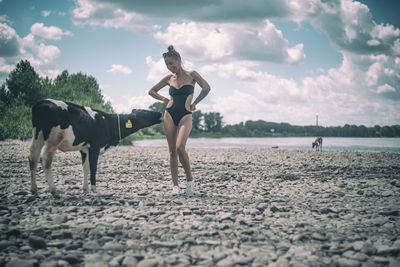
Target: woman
[177, 119]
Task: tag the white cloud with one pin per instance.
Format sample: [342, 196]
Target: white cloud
[250, 105]
[41, 56]
[48, 53]
[226, 41]
[45, 13]
[349, 26]
[385, 88]
[51, 33]
[9, 46]
[5, 18]
[109, 16]
[223, 10]
[157, 69]
[105, 96]
[120, 69]
[339, 95]
[135, 102]
[271, 88]
[373, 42]
[4, 67]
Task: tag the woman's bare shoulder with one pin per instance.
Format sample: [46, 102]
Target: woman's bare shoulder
[194, 74]
[167, 78]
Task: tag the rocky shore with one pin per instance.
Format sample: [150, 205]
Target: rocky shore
[252, 207]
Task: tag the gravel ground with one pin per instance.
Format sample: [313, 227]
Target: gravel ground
[252, 207]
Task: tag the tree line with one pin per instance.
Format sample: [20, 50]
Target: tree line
[270, 129]
[23, 87]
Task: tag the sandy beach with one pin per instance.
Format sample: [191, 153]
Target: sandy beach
[252, 207]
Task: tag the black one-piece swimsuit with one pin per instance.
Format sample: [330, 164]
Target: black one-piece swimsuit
[179, 96]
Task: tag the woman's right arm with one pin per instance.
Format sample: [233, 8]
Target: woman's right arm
[154, 90]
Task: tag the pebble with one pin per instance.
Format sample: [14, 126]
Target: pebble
[391, 212]
[37, 242]
[357, 246]
[20, 263]
[394, 263]
[73, 259]
[5, 244]
[96, 259]
[149, 263]
[368, 248]
[129, 261]
[116, 261]
[383, 250]
[355, 256]
[91, 245]
[343, 262]
[49, 263]
[226, 216]
[285, 210]
[319, 237]
[380, 259]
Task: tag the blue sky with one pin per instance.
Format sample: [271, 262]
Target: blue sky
[280, 61]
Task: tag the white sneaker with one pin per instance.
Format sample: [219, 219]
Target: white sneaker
[190, 188]
[176, 190]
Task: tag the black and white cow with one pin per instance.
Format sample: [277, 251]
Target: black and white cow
[69, 127]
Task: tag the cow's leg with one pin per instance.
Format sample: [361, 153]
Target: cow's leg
[47, 159]
[86, 169]
[36, 147]
[93, 158]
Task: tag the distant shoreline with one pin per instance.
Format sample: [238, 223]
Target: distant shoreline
[340, 144]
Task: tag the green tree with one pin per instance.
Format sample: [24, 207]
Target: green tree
[387, 131]
[23, 84]
[212, 122]
[158, 106]
[196, 120]
[78, 88]
[5, 98]
[396, 130]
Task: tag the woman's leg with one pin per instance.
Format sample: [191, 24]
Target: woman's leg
[171, 133]
[184, 128]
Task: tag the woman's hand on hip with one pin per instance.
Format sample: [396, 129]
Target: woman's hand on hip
[192, 107]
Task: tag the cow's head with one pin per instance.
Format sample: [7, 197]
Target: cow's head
[141, 118]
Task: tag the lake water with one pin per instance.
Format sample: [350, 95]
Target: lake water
[291, 143]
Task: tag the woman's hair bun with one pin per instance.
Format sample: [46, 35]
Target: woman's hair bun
[171, 52]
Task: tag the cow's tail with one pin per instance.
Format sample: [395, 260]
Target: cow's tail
[35, 120]
[39, 110]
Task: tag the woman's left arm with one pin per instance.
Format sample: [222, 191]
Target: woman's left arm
[205, 89]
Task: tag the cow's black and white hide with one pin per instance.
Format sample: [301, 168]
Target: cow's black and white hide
[70, 127]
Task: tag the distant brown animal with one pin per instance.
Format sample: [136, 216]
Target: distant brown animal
[317, 143]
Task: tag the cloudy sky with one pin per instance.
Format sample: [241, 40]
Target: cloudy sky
[276, 60]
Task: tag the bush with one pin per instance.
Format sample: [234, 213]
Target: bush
[16, 122]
